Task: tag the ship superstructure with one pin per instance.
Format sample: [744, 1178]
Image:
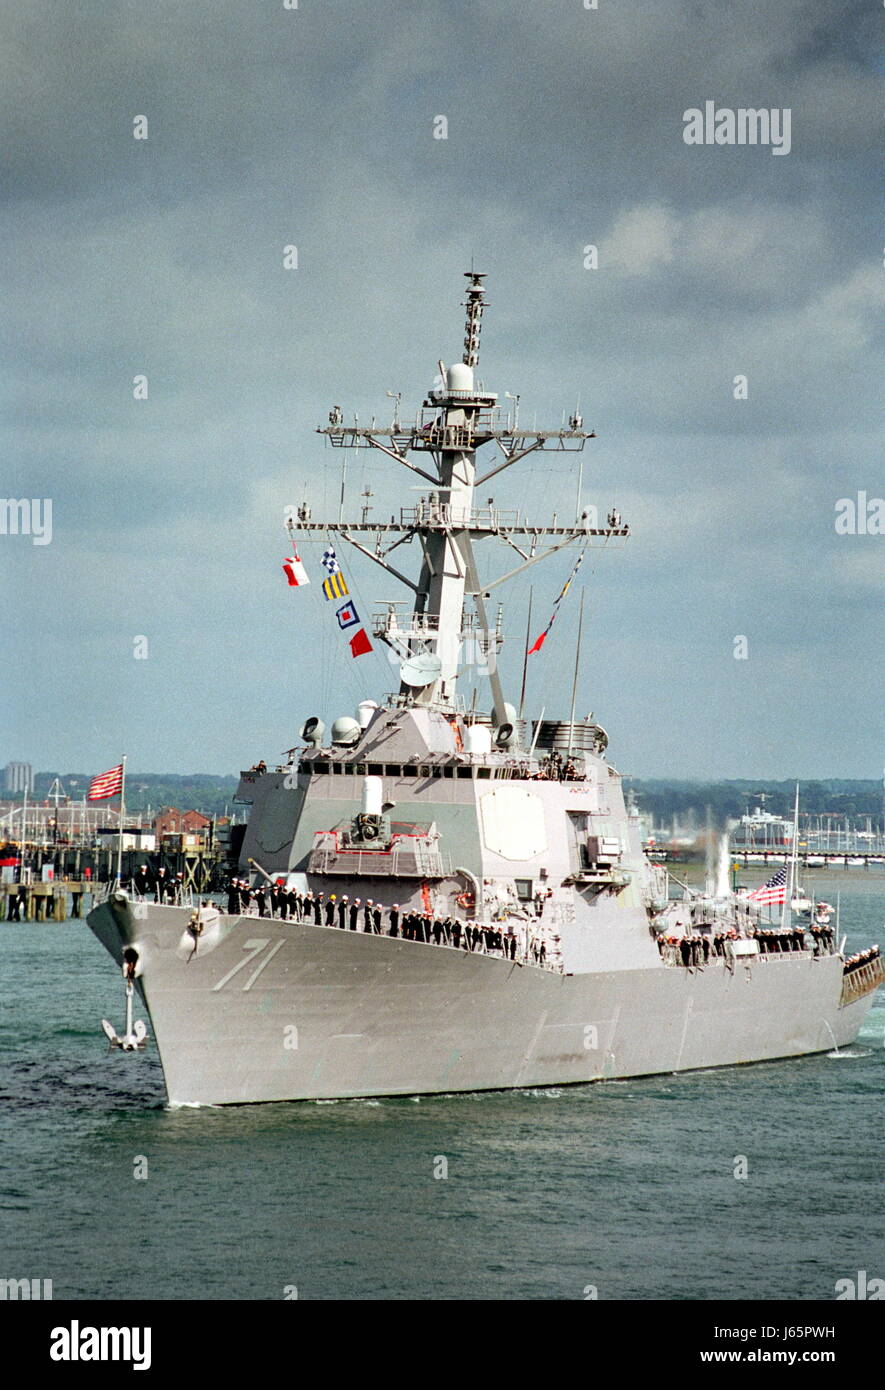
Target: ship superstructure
[461, 897]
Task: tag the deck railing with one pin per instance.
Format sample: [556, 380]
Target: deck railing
[408, 858]
[862, 980]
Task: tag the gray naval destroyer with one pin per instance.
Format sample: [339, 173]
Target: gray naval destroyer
[532, 943]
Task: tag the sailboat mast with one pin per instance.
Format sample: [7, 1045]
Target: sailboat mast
[794, 855]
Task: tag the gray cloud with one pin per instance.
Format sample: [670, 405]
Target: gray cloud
[313, 127]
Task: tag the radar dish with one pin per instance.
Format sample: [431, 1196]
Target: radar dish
[421, 669]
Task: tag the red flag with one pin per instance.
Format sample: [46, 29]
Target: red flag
[538, 645]
[359, 643]
[106, 784]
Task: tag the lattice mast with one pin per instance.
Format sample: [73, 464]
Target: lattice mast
[457, 418]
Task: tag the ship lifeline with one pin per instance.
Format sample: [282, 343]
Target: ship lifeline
[462, 817]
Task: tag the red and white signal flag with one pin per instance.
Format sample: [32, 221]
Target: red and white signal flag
[295, 572]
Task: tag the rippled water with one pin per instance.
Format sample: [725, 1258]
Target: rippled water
[628, 1186]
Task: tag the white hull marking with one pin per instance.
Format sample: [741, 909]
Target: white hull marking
[253, 947]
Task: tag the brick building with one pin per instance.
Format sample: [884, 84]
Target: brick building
[171, 821]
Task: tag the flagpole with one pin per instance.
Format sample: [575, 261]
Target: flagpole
[537, 731]
[24, 843]
[120, 826]
[571, 726]
[791, 877]
[525, 658]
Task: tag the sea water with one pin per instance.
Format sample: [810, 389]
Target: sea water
[619, 1190]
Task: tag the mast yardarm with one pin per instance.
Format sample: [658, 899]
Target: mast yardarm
[444, 630]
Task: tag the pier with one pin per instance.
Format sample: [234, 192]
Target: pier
[811, 858]
[807, 859]
[45, 902]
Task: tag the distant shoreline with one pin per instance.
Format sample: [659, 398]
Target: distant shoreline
[696, 870]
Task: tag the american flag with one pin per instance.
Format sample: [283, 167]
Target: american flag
[106, 784]
[774, 891]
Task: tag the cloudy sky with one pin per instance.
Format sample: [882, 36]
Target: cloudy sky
[313, 127]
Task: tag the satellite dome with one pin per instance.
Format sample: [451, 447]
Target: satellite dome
[477, 739]
[346, 730]
[364, 712]
[460, 377]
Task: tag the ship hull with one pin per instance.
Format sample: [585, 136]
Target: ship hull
[267, 1010]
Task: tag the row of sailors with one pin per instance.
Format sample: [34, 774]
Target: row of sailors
[163, 886]
[775, 942]
[823, 937]
[697, 950]
[861, 958]
[692, 950]
[370, 916]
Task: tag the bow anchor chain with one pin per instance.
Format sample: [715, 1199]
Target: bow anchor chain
[135, 1036]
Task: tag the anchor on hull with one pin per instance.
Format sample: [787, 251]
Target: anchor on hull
[135, 1037]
